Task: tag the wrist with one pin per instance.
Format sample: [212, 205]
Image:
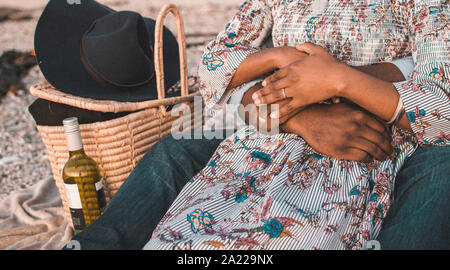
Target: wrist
[344, 79]
[298, 123]
[280, 57]
[274, 56]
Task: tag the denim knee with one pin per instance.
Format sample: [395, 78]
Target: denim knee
[418, 218]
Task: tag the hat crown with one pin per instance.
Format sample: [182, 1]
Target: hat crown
[92, 51]
[116, 50]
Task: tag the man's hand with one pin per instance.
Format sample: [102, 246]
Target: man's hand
[342, 131]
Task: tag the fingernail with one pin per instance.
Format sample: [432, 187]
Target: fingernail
[264, 83]
[255, 96]
[257, 101]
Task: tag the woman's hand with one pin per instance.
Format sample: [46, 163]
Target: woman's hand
[342, 131]
[309, 80]
[258, 116]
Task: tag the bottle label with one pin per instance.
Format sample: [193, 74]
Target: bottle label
[76, 209]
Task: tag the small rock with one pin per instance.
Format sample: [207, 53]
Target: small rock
[7, 160]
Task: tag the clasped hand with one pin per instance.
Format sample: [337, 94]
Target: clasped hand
[311, 79]
[343, 131]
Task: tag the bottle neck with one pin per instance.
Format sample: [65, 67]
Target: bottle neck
[79, 152]
[74, 143]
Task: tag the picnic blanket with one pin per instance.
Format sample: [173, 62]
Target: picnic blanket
[33, 218]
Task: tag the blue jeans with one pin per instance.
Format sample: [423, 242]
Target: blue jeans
[418, 218]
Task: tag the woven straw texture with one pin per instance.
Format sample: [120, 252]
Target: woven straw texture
[119, 144]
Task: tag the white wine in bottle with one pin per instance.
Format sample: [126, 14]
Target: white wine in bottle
[82, 180]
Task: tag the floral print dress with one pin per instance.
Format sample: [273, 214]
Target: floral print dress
[276, 192]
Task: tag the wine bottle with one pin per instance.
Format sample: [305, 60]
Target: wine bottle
[82, 180]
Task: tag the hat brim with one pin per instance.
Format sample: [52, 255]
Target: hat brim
[57, 46]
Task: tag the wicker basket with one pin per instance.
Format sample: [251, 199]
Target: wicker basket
[119, 144]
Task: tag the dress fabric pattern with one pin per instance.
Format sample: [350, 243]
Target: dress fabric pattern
[274, 191]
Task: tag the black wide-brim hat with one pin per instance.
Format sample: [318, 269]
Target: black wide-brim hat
[91, 51]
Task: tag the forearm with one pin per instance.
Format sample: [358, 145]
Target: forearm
[383, 71]
[254, 66]
[263, 62]
[376, 95]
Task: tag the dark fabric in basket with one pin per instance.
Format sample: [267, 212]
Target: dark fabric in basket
[48, 113]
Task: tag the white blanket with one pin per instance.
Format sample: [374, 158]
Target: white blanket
[33, 219]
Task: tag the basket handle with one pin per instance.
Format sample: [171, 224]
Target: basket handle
[159, 63]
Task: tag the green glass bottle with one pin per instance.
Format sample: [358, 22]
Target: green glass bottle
[82, 180]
